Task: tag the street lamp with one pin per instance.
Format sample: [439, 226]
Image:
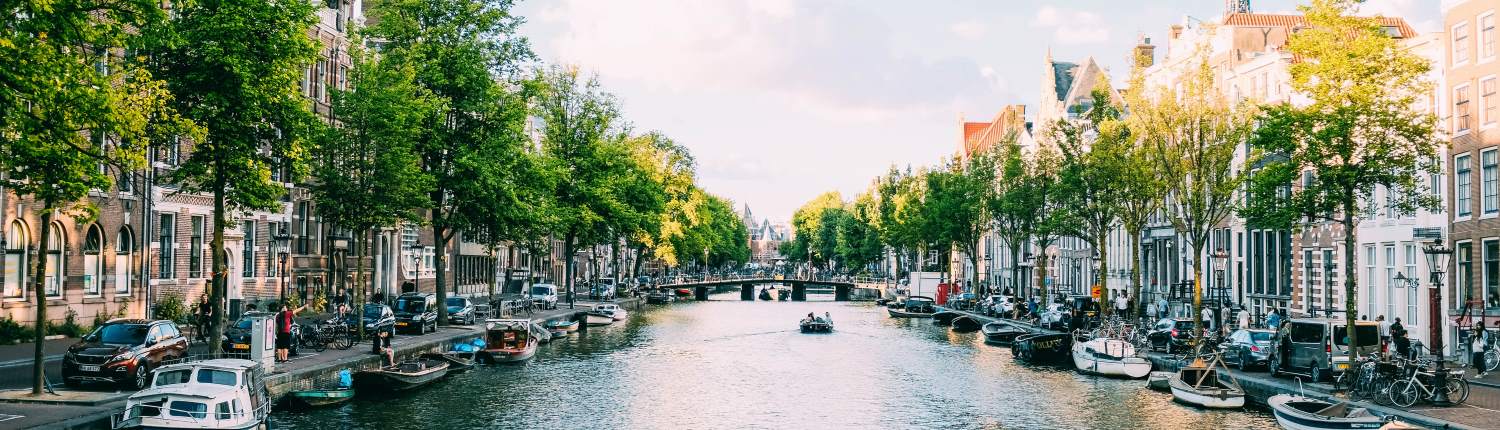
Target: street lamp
[1221, 260]
[340, 265]
[283, 248]
[1025, 281]
[1437, 261]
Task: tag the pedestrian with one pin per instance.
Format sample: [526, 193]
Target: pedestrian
[1479, 342]
[1385, 330]
[1273, 320]
[1161, 308]
[205, 314]
[1244, 318]
[1208, 320]
[1122, 304]
[1398, 337]
[284, 320]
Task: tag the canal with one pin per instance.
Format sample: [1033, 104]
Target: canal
[727, 364]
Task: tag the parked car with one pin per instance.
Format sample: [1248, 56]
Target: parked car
[460, 310]
[416, 311]
[123, 351]
[237, 337]
[997, 305]
[1319, 347]
[602, 291]
[378, 317]
[1247, 347]
[1171, 334]
[545, 295]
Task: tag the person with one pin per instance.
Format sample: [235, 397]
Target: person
[1208, 320]
[1273, 319]
[1244, 317]
[1385, 330]
[284, 320]
[1398, 337]
[382, 346]
[1161, 308]
[1122, 304]
[205, 313]
[1479, 341]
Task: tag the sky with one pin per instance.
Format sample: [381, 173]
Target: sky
[782, 100]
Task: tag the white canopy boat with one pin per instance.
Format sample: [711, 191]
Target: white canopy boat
[224, 393]
[1109, 357]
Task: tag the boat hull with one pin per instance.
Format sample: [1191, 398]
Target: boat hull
[498, 356]
[386, 379]
[1206, 397]
[898, 313]
[1160, 381]
[319, 398]
[598, 320]
[565, 326]
[1043, 347]
[1109, 357]
[965, 324]
[1293, 419]
[456, 364]
[1000, 333]
[816, 327]
[945, 317]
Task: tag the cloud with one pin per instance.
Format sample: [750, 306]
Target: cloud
[1072, 27]
[1416, 12]
[968, 29]
[826, 61]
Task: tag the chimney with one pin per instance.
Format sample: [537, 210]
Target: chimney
[1176, 31]
[1145, 52]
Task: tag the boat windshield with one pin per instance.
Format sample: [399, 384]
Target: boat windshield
[173, 377]
[121, 334]
[215, 376]
[180, 408]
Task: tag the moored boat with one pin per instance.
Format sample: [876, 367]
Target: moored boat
[945, 317]
[816, 324]
[182, 395]
[401, 376]
[562, 325]
[783, 295]
[315, 398]
[659, 297]
[966, 324]
[765, 294]
[456, 362]
[1109, 357]
[1306, 413]
[614, 311]
[595, 319]
[507, 341]
[1160, 380]
[1001, 332]
[1042, 347]
[914, 307]
[684, 292]
[1199, 384]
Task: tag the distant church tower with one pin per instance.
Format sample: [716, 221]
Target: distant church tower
[1236, 6]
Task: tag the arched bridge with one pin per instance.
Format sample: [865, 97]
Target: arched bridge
[841, 290]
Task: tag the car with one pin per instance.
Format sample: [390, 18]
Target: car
[237, 336]
[544, 295]
[123, 351]
[1087, 304]
[602, 289]
[997, 305]
[377, 317]
[1171, 334]
[416, 311]
[461, 310]
[1247, 347]
[1319, 347]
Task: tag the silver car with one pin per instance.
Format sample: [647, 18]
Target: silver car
[544, 295]
[1319, 347]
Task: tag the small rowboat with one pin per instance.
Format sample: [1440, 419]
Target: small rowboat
[1001, 333]
[823, 324]
[319, 397]
[965, 324]
[1160, 380]
[402, 376]
[456, 364]
[945, 317]
[1306, 413]
[561, 325]
[1198, 384]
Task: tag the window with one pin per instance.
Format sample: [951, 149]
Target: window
[1487, 36]
[248, 264]
[16, 261]
[1462, 116]
[221, 411]
[1463, 256]
[1487, 101]
[1461, 43]
[166, 231]
[124, 260]
[1390, 280]
[1390, 203]
[195, 248]
[1370, 279]
[1461, 180]
[1492, 273]
[93, 262]
[1490, 174]
[53, 276]
[1411, 292]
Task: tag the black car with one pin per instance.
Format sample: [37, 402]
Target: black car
[460, 310]
[1171, 334]
[237, 336]
[378, 317]
[123, 351]
[416, 312]
[1248, 347]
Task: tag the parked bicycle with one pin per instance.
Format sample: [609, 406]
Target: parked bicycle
[1416, 385]
[337, 333]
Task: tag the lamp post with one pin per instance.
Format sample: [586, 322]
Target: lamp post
[283, 249]
[340, 263]
[1025, 282]
[1437, 262]
[1221, 260]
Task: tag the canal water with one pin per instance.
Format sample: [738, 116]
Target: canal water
[727, 364]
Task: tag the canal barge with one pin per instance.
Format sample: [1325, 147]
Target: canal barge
[1039, 348]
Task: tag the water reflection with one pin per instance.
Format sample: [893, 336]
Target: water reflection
[743, 365]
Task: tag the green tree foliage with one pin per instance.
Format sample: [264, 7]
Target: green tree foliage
[1141, 189]
[1360, 132]
[467, 56]
[1026, 203]
[670, 168]
[811, 243]
[959, 206]
[1094, 154]
[244, 92]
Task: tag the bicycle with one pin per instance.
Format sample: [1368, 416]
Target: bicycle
[1406, 392]
[311, 338]
[336, 332]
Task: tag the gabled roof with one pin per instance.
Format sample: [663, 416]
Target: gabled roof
[1062, 74]
[1292, 21]
[973, 128]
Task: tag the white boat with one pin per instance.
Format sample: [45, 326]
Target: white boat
[614, 311]
[1160, 381]
[225, 393]
[1199, 384]
[508, 341]
[1109, 357]
[1305, 413]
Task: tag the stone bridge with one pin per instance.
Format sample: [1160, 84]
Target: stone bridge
[842, 291]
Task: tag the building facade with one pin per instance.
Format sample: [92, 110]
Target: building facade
[1470, 83]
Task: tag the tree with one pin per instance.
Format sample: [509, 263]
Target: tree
[1025, 204]
[75, 109]
[1141, 190]
[367, 173]
[671, 166]
[467, 55]
[1193, 135]
[810, 242]
[1358, 134]
[244, 92]
[1093, 157]
[960, 197]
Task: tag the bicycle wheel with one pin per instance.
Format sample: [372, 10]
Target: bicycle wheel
[1458, 390]
[1405, 393]
[313, 339]
[343, 338]
[1491, 360]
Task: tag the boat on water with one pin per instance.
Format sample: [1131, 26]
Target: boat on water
[783, 295]
[1306, 413]
[914, 307]
[945, 317]
[966, 324]
[1042, 347]
[456, 363]
[1109, 357]
[567, 326]
[595, 319]
[1160, 380]
[402, 376]
[684, 292]
[317, 398]
[765, 294]
[541, 333]
[614, 311]
[1200, 384]
[817, 324]
[659, 297]
[508, 340]
[197, 395]
[1001, 332]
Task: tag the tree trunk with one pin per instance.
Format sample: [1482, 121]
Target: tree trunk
[568, 266]
[614, 256]
[1015, 270]
[1135, 273]
[440, 257]
[974, 262]
[640, 253]
[220, 286]
[39, 290]
[1350, 282]
[1198, 290]
[1105, 307]
[1041, 276]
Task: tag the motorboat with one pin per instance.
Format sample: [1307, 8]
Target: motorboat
[816, 324]
[508, 340]
[1001, 332]
[614, 311]
[1199, 384]
[945, 317]
[914, 307]
[317, 398]
[1160, 380]
[566, 326]
[224, 393]
[456, 363]
[966, 324]
[1042, 347]
[1109, 357]
[401, 376]
[659, 297]
[1306, 413]
[684, 292]
[595, 319]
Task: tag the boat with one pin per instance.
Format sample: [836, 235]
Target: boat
[316, 398]
[1306, 413]
[1001, 333]
[1042, 347]
[566, 326]
[966, 324]
[812, 324]
[684, 292]
[658, 297]
[541, 333]
[945, 317]
[1199, 384]
[182, 394]
[402, 376]
[509, 341]
[456, 362]
[595, 319]
[914, 307]
[614, 311]
[765, 294]
[783, 295]
[1109, 357]
[1160, 380]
